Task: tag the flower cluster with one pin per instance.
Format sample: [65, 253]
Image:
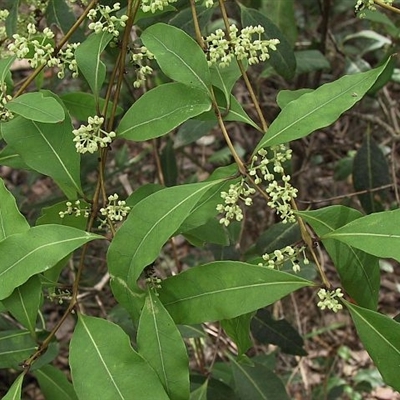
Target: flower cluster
[265, 168]
[103, 21]
[154, 5]
[368, 4]
[289, 253]
[3, 31]
[5, 115]
[223, 48]
[239, 191]
[329, 299]
[143, 70]
[75, 209]
[115, 211]
[90, 137]
[37, 47]
[66, 58]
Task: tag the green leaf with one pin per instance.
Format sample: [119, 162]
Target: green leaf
[162, 109]
[238, 329]
[82, 105]
[24, 303]
[15, 347]
[88, 58]
[370, 171]
[225, 78]
[11, 220]
[178, 55]
[9, 157]
[104, 365]
[5, 65]
[169, 166]
[192, 130]
[257, 382]
[161, 344]
[283, 13]
[200, 393]
[12, 19]
[319, 108]
[284, 97]
[36, 250]
[380, 337]
[54, 384]
[309, 61]
[224, 290]
[267, 330]
[14, 393]
[149, 225]
[59, 13]
[282, 59]
[359, 272]
[376, 234]
[48, 149]
[37, 107]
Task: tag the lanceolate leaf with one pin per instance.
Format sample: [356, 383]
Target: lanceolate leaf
[24, 303]
[380, 336]
[11, 220]
[14, 393]
[48, 149]
[376, 234]
[88, 58]
[5, 65]
[178, 55]
[36, 107]
[370, 171]
[149, 225]
[257, 382]
[224, 290]
[104, 365]
[34, 251]
[15, 347]
[54, 383]
[238, 329]
[359, 272]
[319, 108]
[282, 59]
[162, 109]
[161, 344]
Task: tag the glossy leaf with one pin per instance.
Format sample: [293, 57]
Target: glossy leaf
[370, 171]
[14, 393]
[161, 344]
[5, 65]
[224, 290]
[284, 97]
[24, 303]
[82, 105]
[282, 59]
[192, 130]
[359, 272]
[11, 220]
[149, 225]
[178, 55]
[257, 382]
[319, 108]
[15, 347]
[88, 58]
[267, 330]
[102, 351]
[37, 107]
[376, 234]
[380, 337]
[54, 383]
[162, 109]
[36, 250]
[238, 329]
[169, 166]
[48, 149]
